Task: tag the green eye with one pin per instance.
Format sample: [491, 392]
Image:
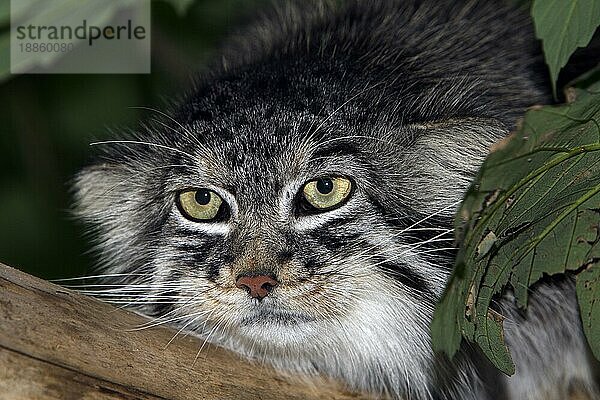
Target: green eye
[200, 204]
[326, 193]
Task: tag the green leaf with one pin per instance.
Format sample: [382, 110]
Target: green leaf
[491, 342]
[588, 287]
[445, 329]
[564, 25]
[533, 210]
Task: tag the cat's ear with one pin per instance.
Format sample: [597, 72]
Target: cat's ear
[109, 199]
[445, 157]
[99, 192]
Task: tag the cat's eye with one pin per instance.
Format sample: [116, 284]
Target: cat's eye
[200, 204]
[326, 193]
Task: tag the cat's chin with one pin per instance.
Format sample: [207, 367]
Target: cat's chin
[272, 344]
[275, 318]
[275, 330]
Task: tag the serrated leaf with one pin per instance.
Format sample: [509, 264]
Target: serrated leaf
[491, 342]
[563, 26]
[539, 194]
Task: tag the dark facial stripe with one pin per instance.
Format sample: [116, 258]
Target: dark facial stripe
[165, 307]
[336, 240]
[206, 255]
[421, 234]
[408, 277]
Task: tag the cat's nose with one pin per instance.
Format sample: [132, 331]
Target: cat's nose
[257, 286]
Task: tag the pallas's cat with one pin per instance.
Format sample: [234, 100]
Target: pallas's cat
[297, 207]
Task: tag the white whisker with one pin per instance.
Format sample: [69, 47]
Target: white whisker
[126, 142]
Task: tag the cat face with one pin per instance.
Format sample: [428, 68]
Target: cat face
[273, 230]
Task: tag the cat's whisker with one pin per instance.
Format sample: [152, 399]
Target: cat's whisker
[128, 292]
[181, 306]
[155, 323]
[190, 322]
[311, 132]
[121, 297]
[140, 174]
[218, 325]
[362, 256]
[127, 303]
[134, 299]
[161, 113]
[125, 286]
[397, 256]
[184, 327]
[128, 288]
[142, 299]
[414, 225]
[204, 151]
[405, 248]
[138, 142]
[437, 250]
[98, 277]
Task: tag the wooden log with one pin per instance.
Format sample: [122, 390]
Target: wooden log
[58, 344]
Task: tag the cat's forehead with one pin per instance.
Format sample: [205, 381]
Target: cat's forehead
[268, 144]
[270, 129]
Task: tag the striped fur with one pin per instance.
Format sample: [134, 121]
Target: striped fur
[402, 97]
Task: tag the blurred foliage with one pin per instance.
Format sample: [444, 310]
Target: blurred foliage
[48, 121]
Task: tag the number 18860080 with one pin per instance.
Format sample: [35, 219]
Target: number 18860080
[45, 47]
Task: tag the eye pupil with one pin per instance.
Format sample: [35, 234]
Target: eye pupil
[202, 197]
[325, 185]
[324, 194]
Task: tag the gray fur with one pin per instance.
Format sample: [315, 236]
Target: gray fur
[405, 99]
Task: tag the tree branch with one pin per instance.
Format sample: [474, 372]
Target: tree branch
[58, 344]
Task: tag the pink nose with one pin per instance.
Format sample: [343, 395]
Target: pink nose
[258, 286]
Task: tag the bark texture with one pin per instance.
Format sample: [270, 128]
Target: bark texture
[58, 344]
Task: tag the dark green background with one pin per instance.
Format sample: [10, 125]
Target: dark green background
[48, 121]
